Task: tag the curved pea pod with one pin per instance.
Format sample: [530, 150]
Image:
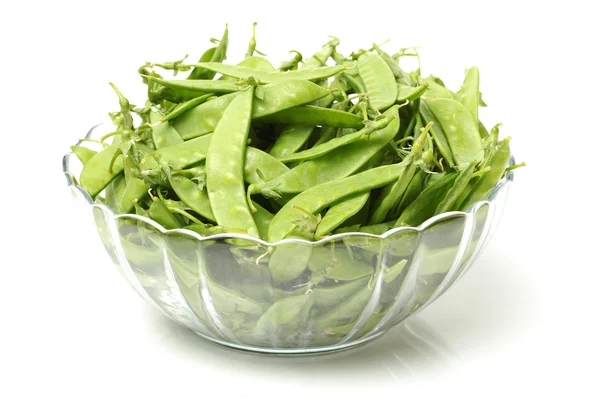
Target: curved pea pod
[273, 98]
[289, 260]
[425, 204]
[262, 219]
[261, 166]
[288, 310]
[314, 115]
[201, 85]
[469, 94]
[410, 92]
[97, 174]
[163, 134]
[377, 229]
[159, 212]
[460, 184]
[241, 72]
[436, 90]
[291, 139]
[460, 129]
[401, 76]
[337, 264]
[83, 153]
[337, 164]
[195, 198]
[319, 197]
[378, 80]
[340, 212]
[336, 321]
[437, 133]
[413, 190]
[320, 57]
[256, 62]
[134, 190]
[485, 183]
[114, 193]
[224, 166]
[184, 154]
[214, 54]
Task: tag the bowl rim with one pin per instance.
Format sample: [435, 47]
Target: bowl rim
[71, 183]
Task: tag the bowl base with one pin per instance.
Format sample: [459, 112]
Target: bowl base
[294, 351]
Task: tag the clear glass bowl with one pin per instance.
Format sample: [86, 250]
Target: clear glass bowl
[292, 296]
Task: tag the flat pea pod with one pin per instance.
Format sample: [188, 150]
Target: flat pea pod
[159, 212]
[437, 133]
[200, 85]
[337, 164]
[195, 198]
[425, 204]
[186, 106]
[262, 219]
[340, 212]
[313, 115]
[338, 265]
[97, 174]
[257, 62]
[378, 80]
[435, 90]
[320, 58]
[460, 184]
[410, 92]
[289, 260]
[485, 183]
[114, 192]
[291, 139]
[83, 153]
[269, 167]
[322, 149]
[184, 154]
[241, 72]
[401, 76]
[377, 229]
[319, 197]
[413, 190]
[214, 54]
[274, 98]
[225, 163]
[469, 94]
[460, 129]
[163, 134]
[283, 311]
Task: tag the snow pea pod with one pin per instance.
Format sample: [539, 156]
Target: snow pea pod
[413, 190]
[114, 192]
[319, 197]
[460, 184]
[291, 139]
[437, 133]
[159, 212]
[291, 64]
[97, 172]
[337, 264]
[225, 163]
[484, 184]
[338, 164]
[320, 58]
[269, 167]
[460, 129]
[425, 204]
[378, 80]
[340, 212]
[184, 154]
[469, 94]
[241, 72]
[194, 197]
[262, 219]
[214, 54]
[163, 134]
[410, 92]
[83, 153]
[193, 85]
[186, 106]
[322, 149]
[313, 115]
[436, 90]
[401, 76]
[274, 98]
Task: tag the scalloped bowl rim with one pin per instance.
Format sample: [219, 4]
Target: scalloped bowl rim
[509, 177]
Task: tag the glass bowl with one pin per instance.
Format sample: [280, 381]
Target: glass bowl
[292, 296]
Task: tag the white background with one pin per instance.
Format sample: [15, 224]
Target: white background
[523, 323]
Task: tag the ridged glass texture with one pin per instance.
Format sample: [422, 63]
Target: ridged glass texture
[292, 296]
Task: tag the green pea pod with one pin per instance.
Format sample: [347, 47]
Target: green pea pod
[469, 94]
[159, 212]
[184, 154]
[377, 229]
[261, 166]
[410, 92]
[214, 54]
[327, 298]
[283, 311]
[186, 106]
[241, 72]
[201, 85]
[291, 139]
[224, 166]
[194, 197]
[485, 183]
[320, 58]
[459, 186]
[275, 97]
[256, 62]
[97, 174]
[425, 204]
[319, 197]
[379, 81]
[345, 314]
[291, 64]
[337, 164]
[163, 134]
[436, 90]
[391, 273]
[437, 133]
[401, 76]
[83, 153]
[460, 130]
[337, 265]
[135, 189]
[289, 260]
[313, 115]
[262, 219]
[413, 190]
[114, 192]
[322, 149]
[340, 212]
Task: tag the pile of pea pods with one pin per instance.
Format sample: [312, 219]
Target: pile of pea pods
[319, 145]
